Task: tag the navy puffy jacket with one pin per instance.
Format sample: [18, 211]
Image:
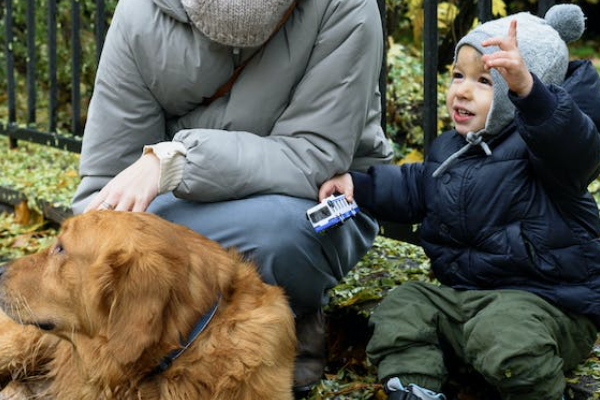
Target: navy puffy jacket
[521, 218]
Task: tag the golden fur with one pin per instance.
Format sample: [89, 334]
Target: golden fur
[99, 309]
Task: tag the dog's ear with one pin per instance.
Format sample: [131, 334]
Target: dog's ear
[136, 288]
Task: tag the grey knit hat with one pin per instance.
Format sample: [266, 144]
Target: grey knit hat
[237, 23]
[543, 46]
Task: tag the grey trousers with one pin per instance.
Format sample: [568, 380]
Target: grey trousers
[273, 231]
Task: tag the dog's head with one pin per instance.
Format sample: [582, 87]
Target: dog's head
[126, 277]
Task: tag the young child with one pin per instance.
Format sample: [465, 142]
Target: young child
[506, 219]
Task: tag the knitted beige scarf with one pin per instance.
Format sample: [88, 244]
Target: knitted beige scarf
[237, 23]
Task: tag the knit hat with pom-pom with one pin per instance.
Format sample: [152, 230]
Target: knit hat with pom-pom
[542, 43]
[543, 46]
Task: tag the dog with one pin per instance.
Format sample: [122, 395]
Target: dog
[129, 306]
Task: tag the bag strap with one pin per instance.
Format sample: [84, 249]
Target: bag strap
[226, 87]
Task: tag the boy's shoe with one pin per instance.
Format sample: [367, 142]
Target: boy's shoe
[395, 391]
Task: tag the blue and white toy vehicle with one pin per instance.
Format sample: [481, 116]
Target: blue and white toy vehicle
[332, 211]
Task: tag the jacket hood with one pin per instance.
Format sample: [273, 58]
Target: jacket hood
[173, 8]
[583, 84]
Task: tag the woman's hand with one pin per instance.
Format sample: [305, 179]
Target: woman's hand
[133, 189]
[338, 184]
[509, 62]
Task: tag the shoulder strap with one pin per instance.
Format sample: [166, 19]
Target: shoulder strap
[226, 87]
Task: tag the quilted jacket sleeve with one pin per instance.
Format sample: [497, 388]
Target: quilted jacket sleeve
[562, 137]
[391, 192]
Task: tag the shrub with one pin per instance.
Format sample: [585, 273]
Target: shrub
[404, 99]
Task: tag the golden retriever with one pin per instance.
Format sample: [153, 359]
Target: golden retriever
[120, 294]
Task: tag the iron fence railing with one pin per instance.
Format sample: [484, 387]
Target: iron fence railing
[30, 129]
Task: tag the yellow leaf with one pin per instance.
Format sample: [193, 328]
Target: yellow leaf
[446, 15]
[415, 14]
[412, 157]
[22, 213]
[380, 395]
[26, 216]
[499, 8]
[358, 298]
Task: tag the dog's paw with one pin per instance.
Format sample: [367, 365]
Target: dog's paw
[22, 348]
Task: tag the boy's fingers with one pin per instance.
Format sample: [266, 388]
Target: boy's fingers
[512, 32]
[324, 191]
[496, 60]
[495, 55]
[328, 188]
[504, 43]
[491, 42]
[349, 193]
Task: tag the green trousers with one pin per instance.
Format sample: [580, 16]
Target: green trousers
[520, 343]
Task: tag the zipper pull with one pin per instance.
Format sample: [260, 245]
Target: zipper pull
[236, 56]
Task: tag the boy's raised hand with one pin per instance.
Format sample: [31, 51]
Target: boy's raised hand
[338, 184]
[509, 62]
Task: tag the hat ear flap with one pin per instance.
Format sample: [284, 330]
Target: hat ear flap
[139, 295]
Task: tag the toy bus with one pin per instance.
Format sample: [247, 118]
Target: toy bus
[332, 211]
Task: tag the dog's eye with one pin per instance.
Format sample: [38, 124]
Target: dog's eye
[57, 249]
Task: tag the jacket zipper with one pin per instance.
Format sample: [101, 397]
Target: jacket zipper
[463, 202]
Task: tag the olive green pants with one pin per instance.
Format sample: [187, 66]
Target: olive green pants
[520, 343]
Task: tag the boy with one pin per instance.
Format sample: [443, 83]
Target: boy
[506, 219]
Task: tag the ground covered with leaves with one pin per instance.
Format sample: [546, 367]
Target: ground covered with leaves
[49, 174]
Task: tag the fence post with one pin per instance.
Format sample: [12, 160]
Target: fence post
[76, 68]
[52, 67]
[430, 64]
[10, 70]
[484, 10]
[31, 60]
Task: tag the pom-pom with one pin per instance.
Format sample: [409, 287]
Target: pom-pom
[568, 20]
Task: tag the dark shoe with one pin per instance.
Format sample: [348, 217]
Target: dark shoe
[310, 353]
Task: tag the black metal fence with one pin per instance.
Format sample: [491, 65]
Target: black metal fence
[29, 129]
